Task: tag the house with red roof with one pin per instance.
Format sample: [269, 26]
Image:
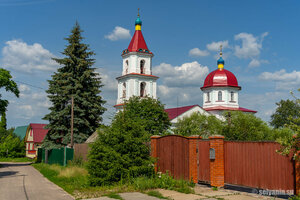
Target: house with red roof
[180, 112]
[34, 137]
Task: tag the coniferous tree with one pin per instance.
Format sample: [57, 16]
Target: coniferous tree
[76, 77]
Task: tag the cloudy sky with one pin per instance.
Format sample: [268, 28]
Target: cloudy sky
[259, 38]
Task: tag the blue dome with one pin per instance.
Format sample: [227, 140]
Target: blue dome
[138, 21]
[221, 61]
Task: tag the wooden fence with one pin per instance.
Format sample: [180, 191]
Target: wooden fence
[81, 151]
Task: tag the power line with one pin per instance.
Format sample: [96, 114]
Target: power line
[31, 85]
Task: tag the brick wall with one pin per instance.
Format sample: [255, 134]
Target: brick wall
[193, 155]
[217, 164]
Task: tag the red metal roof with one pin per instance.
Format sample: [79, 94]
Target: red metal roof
[137, 42]
[229, 108]
[39, 132]
[220, 78]
[175, 112]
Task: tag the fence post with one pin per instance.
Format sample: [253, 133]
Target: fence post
[154, 139]
[217, 177]
[297, 173]
[193, 157]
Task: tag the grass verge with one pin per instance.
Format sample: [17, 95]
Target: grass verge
[156, 194]
[23, 159]
[74, 180]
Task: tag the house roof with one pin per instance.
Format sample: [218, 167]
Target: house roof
[175, 112]
[39, 132]
[229, 108]
[21, 131]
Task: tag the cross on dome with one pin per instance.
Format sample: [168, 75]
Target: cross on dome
[220, 62]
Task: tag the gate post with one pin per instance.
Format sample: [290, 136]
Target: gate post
[297, 173]
[193, 157]
[154, 139]
[217, 164]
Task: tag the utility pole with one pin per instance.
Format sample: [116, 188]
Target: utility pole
[72, 121]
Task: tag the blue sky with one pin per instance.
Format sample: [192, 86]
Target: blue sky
[260, 39]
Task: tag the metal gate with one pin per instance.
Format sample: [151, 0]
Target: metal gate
[203, 161]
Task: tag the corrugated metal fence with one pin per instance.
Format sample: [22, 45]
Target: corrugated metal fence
[55, 156]
[258, 165]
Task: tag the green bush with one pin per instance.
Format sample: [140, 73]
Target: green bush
[121, 152]
[11, 145]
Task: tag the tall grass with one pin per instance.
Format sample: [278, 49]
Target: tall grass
[74, 180]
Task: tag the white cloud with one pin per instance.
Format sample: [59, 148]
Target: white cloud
[198, 52]
[283, 79]
[20, 56]
[118, 33]
[23, 88]
[251, 46]
[256, 63]
[215, 46]
[188, 74]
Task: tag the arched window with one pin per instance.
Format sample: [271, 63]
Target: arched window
[124, 90]
[220, 96]
[142, 66]
[143, 89]
[207, 96]
[231, 96]
[126, 66]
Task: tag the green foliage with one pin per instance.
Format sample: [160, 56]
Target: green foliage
[198, 124]
[286, 111]
[292, 144]
[246, 127]
[113, 195]
[236, 126]
[149, 113]
[157, 194]
[3, 121]
[75, 181]
[9, 85]
[121, 151]
[163, 181]
[76, 77]
[11, 146]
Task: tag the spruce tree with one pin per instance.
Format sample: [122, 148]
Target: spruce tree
[76, 77]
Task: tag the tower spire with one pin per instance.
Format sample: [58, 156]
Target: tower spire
[138, 21]
[221, 62]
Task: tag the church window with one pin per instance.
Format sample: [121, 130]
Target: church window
[208, 97]
[231, 96]
[126, 67]
[142, 66]
[220, 96]
[142, 89]
[124, 90]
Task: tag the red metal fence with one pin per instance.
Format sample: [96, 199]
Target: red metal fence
[173, 155]
[256, 164]
[250, 164]
[203, 162]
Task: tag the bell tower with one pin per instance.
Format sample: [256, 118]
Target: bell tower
[137, 78]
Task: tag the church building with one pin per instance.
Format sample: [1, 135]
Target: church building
[137, 78]
[220, 88]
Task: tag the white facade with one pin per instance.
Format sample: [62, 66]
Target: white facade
[220, 96]
[137, 78]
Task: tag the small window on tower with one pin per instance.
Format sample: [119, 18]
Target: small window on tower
[207, 97]
[142, 89]
[124, 90]
[142, 66]
[232, 96]
[126, 67]
[220, 96]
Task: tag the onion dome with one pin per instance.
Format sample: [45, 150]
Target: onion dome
[220, 77]
[137, 43]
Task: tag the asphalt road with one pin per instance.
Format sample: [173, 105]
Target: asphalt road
[20, 181]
